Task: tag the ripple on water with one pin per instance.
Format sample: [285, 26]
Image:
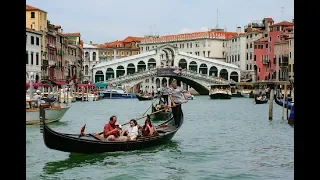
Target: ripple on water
[231, 139]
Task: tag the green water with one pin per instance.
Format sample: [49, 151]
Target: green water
[220, 139]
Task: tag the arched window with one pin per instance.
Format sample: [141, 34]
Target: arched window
[86, 70]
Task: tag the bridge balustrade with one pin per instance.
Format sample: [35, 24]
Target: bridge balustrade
[153, 72]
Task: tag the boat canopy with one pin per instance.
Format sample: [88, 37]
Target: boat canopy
[101, 84]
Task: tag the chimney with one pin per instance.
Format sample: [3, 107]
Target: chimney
[238, 30]
[292, 20]
[61, 30]
[90, 42]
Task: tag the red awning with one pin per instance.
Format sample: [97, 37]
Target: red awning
[36, 85]
[60, 83]
[85, 85]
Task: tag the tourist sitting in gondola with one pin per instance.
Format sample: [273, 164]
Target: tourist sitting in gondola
[132, 131]
[111, 131]
[148, 129]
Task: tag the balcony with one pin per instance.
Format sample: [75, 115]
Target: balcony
[283, 64]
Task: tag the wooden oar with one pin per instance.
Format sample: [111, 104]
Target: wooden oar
[150, 106]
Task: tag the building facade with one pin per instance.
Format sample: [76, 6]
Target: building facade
[291, 55]
[91, 58]
[236, 51]
[209, 44]
[33, 54]
[75, 56]
[119, 49]
[51, 52]
[273, 65]
[36, 19]
[262, 60]
[241, 47]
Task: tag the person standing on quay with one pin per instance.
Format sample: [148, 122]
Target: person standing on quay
[176, 101]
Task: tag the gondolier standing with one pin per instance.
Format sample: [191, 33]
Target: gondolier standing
[176, 101]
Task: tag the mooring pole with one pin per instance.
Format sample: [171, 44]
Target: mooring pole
[271, 101]
[284, 101]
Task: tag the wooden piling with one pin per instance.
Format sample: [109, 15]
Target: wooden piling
[67, 94]
[82, 93]
[284, 101]
[87, 93]
[271, 104]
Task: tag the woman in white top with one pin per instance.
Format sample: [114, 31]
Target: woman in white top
[131, 131]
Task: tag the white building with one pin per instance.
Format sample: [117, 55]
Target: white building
[91, 58]
[236, 50]
[33, 54]
[209, 44]
[240, 48]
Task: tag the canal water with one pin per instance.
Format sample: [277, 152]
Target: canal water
[220, 139]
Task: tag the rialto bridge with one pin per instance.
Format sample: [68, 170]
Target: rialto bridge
[196, 71]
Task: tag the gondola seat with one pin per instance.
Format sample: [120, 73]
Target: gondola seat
[97, 136]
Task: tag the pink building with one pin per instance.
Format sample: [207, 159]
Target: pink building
[269, 69]
[261, 58]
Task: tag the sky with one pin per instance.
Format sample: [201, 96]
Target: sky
[103, 21]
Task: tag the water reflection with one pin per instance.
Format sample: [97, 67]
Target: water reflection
[74, 160]
[107, 159]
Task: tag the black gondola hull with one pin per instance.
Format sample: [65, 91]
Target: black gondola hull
[88, 144]
[261, 101]
[141, 98]
[277, 100]
[220, 96]
[161, 115]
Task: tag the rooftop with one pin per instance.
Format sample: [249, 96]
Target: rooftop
[283, 23]
[32, 8]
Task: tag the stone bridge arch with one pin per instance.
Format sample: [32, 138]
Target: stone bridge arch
[201, 89]
[183, 64]
[99, 76]
[109, 73]
[131, 69]
[224, 74]
[120, 71]
[170, 52]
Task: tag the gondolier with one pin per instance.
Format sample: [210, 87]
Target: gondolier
[176, 101]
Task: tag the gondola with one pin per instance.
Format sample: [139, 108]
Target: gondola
[89, 143]
[287, 104]
[143, 98]
[160, 115]
[261, 101]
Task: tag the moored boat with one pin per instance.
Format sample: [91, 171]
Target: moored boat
[291, 116]
[190, 96]
[116, 94]
[220, 91]
[54, 113]
[142, 97]
[90, 143]
[261, 100]
[280, 102]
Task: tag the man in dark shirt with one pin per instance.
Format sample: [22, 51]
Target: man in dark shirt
[176, 101]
